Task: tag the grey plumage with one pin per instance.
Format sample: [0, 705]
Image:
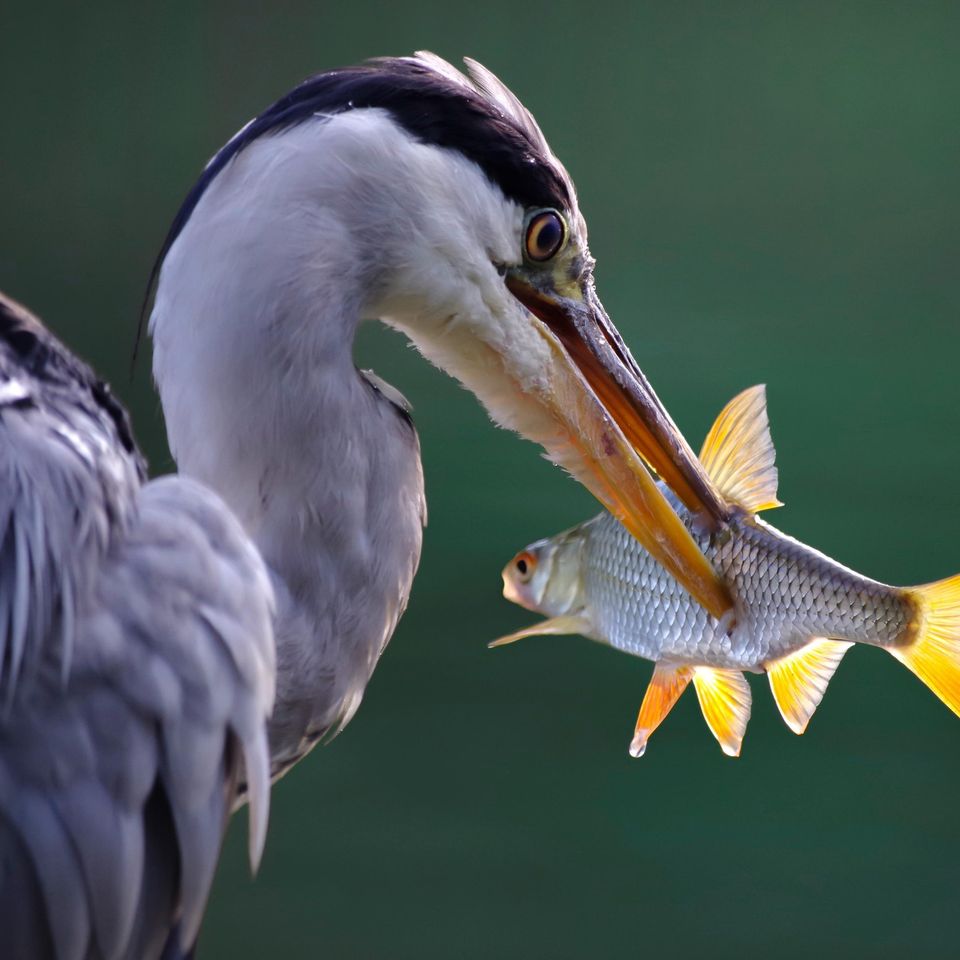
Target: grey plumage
[136, 672]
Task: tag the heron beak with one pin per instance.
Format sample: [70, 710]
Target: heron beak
[610, 417]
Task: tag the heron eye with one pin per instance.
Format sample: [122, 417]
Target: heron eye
[525, 564]
[545, 235]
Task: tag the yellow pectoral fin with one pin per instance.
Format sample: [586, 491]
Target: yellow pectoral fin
[666, 685]
[799, 680]
[555, 625]
[724, 697]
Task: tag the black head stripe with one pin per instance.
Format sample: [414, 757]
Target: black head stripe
[430, 106]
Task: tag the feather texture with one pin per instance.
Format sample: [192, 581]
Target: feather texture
[137, 672]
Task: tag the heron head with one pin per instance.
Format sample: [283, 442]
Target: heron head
[407, 191]
[494, 282]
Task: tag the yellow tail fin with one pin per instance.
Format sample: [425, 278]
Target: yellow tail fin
[934, 653]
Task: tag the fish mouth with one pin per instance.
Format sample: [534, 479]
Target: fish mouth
[513, 593]
[614, 424]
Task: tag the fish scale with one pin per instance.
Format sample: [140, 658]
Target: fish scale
[785, 593]
[795, 611]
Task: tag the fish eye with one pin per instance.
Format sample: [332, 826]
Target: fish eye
[546, 233]
[525, 564]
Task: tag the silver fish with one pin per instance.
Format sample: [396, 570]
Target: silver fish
[796, 612]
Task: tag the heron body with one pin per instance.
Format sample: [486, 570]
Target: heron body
[136, 671]
[282, 556]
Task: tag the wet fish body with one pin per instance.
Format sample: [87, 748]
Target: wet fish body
[796, 611]
[784, 593]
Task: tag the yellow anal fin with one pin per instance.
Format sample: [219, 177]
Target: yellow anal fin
[725, 701]
[799, 680]
[738, 453]
[934, 653]
[666, 685]
[555, 625]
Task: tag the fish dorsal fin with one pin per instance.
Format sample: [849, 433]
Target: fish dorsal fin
[799, 680]
[725, 700]
[738, 453]
[555, 625]
[666, 685]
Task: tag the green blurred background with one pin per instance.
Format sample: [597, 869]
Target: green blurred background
[772, 191]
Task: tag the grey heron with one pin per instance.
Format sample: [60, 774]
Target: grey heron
[401, 190]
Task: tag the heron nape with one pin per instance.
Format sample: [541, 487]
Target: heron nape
[169, 647]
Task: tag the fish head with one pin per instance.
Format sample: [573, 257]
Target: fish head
[545, 576]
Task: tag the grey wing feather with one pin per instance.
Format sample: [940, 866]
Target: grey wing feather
[69, 474]
[136, 673]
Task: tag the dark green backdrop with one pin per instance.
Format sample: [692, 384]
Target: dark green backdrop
[772, 192]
